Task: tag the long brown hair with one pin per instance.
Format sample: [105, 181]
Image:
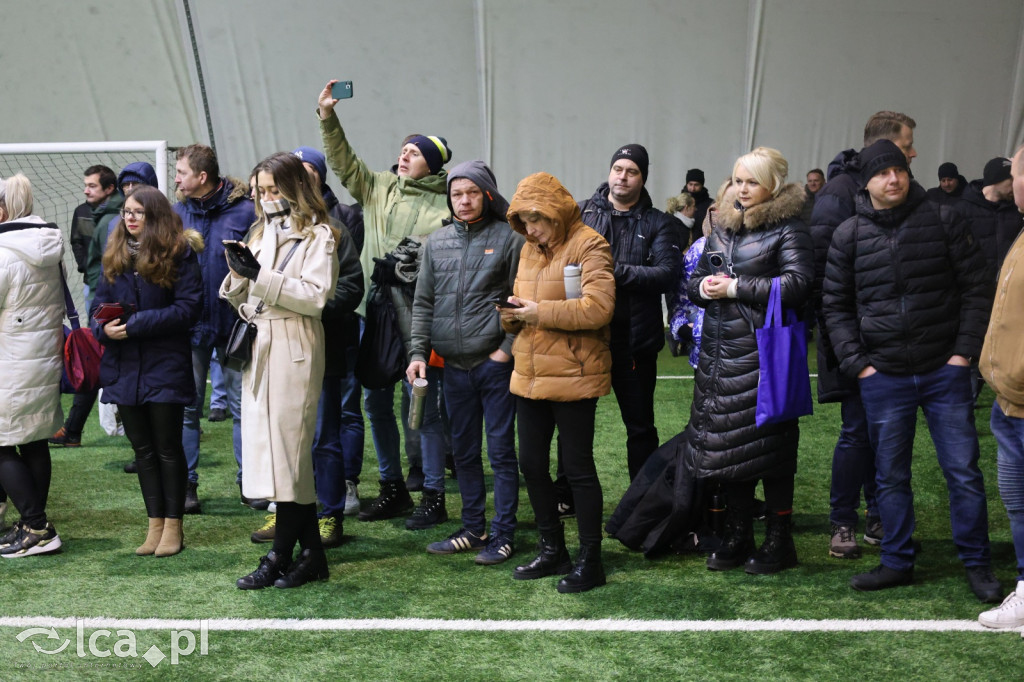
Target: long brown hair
[292, 181]
[161, 241]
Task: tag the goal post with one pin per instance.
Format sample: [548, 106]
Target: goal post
[56, 171]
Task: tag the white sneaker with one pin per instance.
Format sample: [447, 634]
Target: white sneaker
[1009, 614]
[351, 498]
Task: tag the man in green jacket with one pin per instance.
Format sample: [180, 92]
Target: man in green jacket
[409, 200]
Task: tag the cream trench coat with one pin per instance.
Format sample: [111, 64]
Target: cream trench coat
[281, 386]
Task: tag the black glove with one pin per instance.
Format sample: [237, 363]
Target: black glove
[243, 262]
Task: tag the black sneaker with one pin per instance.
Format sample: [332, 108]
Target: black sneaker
[461, 540]
[32, 541]
[217, 414]
[131, 467]
[498, 550]
[257, 503]
[192, 498]
[881, 577]
[984, 584]
[332, 531]
[430, 512]
[566, 509]
[11, 535]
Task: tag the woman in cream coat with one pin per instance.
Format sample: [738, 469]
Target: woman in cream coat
[281, 385]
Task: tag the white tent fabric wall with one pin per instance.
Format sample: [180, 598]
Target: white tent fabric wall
[530, 85]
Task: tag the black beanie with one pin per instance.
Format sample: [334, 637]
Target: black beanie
[635, 153]
[996, 170]
[879, 156]
[695, 175]
[434, 148]
[948, 170]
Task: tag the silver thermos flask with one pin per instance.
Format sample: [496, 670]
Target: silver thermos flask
[419, 396]
[571, 275]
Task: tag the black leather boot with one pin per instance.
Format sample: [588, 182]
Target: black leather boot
[777, 552]
[552, 559]
[430, 512]
[588, 572]
[393, 501]
[311, 565]
[271, 567]
[738, 543]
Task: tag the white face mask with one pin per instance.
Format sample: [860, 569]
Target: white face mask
[688, 221]
[275, 208]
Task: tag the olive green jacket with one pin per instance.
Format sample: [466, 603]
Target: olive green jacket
[393, 207]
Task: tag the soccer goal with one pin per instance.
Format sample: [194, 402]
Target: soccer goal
[56, 171]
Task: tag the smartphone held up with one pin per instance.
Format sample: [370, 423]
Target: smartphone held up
[342, 90]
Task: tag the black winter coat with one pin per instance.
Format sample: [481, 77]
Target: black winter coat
[905, 288]
[995, 224]
[765, 241]
[833, 204]
[940, 197]
[154, 364]
[646, 266]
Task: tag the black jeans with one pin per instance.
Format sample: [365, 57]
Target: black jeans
[778, 493]
[25, 475]
[81, 406]
[154, 430]
[536, 421]
[633, 380]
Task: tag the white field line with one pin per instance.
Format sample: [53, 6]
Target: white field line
[468, 625]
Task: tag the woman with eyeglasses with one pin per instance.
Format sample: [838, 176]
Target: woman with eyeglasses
[148, 296]
[31, 311]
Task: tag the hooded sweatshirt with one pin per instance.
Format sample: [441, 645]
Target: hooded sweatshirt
[565, 355]
[464, 268]
[31, 336]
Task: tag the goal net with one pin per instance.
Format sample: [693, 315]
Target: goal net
[56, 169]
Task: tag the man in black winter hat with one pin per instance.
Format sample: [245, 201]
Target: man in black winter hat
[702, 199]
[645, 248]
[905, 300]
[988, 206]
[951, 184]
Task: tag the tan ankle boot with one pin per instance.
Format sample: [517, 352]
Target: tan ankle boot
[172, 539]
[156, 528]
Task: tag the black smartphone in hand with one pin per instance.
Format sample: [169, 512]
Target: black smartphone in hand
[504, 304]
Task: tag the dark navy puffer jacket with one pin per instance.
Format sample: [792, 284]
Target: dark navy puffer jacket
[646, 266]
[995, 224]
[154, 364]
[905, 288]
[228, 213]
[765, 241]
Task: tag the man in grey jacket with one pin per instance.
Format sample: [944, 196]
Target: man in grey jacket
[467, 265]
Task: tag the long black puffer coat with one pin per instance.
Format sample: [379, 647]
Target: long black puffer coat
[765, 241]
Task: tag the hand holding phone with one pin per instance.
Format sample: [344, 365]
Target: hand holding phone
[342, 90]
[504, 304]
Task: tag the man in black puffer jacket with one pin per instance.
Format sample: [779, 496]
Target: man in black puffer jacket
[645, 247]
[853, 460]
[905, 299]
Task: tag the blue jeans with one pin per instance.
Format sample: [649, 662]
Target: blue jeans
[201, 356]
[477, 399]
[853, 467]
[945, 396]
[336, 458]
[1009, 433]
[218, 394]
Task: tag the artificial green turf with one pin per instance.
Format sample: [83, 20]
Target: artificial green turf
[384, 572]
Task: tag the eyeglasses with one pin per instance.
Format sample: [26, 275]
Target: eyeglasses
[135, 215]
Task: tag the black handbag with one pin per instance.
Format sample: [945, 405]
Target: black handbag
[238, 352]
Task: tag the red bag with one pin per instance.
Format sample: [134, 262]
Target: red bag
[82, 353]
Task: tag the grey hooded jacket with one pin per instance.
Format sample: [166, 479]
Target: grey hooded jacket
[466, 266]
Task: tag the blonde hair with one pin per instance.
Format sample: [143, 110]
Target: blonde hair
[768, 167]
[680, 202]
[16, 196]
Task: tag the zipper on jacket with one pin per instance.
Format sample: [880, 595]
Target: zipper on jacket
[901, 289]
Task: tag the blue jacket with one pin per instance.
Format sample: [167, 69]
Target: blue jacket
[154, 364]
[226, 214]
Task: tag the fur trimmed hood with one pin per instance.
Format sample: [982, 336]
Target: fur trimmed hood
[787, 204]
[194, 240]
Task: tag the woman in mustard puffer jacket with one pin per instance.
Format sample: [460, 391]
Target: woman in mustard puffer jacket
[562, 366]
